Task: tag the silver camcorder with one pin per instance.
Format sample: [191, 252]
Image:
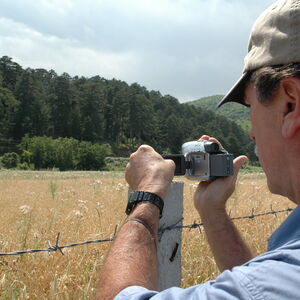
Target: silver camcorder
[202, 160]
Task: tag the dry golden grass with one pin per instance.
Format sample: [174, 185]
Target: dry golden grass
[35, 206]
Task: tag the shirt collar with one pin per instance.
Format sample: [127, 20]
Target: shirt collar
[288, 231]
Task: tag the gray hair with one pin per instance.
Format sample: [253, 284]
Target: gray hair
[266, 79]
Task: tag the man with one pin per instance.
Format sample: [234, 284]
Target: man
[270, 86]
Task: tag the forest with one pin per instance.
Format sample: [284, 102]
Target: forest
[38, 106]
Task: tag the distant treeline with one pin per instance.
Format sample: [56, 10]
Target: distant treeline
[37, 102]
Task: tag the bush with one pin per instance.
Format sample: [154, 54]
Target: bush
[25, 166]
[92, 156]
[10, 160]
[115, 163]
[63, 153]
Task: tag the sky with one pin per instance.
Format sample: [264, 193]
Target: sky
[185, 48]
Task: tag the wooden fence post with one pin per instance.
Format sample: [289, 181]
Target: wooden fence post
[169, 243]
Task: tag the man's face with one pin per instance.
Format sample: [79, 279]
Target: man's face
[266, 121]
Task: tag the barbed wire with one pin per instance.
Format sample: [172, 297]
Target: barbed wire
[162, 230]
[56, 247]
[198, 225]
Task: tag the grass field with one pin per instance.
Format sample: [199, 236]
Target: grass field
[35, 206]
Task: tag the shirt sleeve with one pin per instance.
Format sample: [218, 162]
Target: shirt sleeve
[229, 285]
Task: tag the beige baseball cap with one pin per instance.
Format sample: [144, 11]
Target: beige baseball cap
[274, 40]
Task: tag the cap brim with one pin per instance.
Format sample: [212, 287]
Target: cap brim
[236, 94]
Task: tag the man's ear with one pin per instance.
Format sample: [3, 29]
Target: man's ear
[291, 120]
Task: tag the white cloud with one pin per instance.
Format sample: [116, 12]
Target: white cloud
[186, 48]
[33, 49]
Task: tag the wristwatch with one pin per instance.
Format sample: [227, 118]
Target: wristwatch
[141, 196]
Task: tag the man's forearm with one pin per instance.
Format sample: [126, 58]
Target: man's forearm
[228, 247]
[132, 258]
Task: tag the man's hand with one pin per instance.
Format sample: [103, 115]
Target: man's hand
[228, 247]
[212, 195]
[148, 171]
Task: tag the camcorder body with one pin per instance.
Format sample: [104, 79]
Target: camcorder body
[202, 160]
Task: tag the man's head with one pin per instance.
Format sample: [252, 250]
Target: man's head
[270, 85]
[275, 129]
[274, 41]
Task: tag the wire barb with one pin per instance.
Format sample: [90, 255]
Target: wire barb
[163, 229]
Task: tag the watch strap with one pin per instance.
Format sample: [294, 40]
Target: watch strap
[141, 196]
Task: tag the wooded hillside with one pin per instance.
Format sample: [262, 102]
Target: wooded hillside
[232, 111]
[37, 102]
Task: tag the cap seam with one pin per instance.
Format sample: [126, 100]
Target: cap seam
[295, 35]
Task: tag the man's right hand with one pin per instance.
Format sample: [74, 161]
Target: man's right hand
[148, 171]
[227, 245]
[212, 195]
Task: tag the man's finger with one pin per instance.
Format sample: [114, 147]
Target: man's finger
[238, 162]
[204, 138]
[215, 141]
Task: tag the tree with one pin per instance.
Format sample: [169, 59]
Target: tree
[33, 114]
[174, 136]
[10, 71]
[8, 110]
[62, 103]
[120, 115]
[92, 106]
[108, 116]
[141, 123]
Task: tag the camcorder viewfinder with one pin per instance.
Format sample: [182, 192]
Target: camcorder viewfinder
[202, 160]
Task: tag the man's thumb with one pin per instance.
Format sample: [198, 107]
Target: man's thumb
[238, 162]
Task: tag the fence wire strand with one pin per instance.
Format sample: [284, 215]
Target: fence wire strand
[162, 230]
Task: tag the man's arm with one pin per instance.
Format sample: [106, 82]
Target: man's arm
[132, 258]
[228, 247]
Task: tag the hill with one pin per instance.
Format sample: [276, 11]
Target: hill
[41, 103]
[232, 111]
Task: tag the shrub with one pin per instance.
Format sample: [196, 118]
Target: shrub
[10, 160]
[25, 166]
[63, 153]
[91, 156]
[115, 163]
